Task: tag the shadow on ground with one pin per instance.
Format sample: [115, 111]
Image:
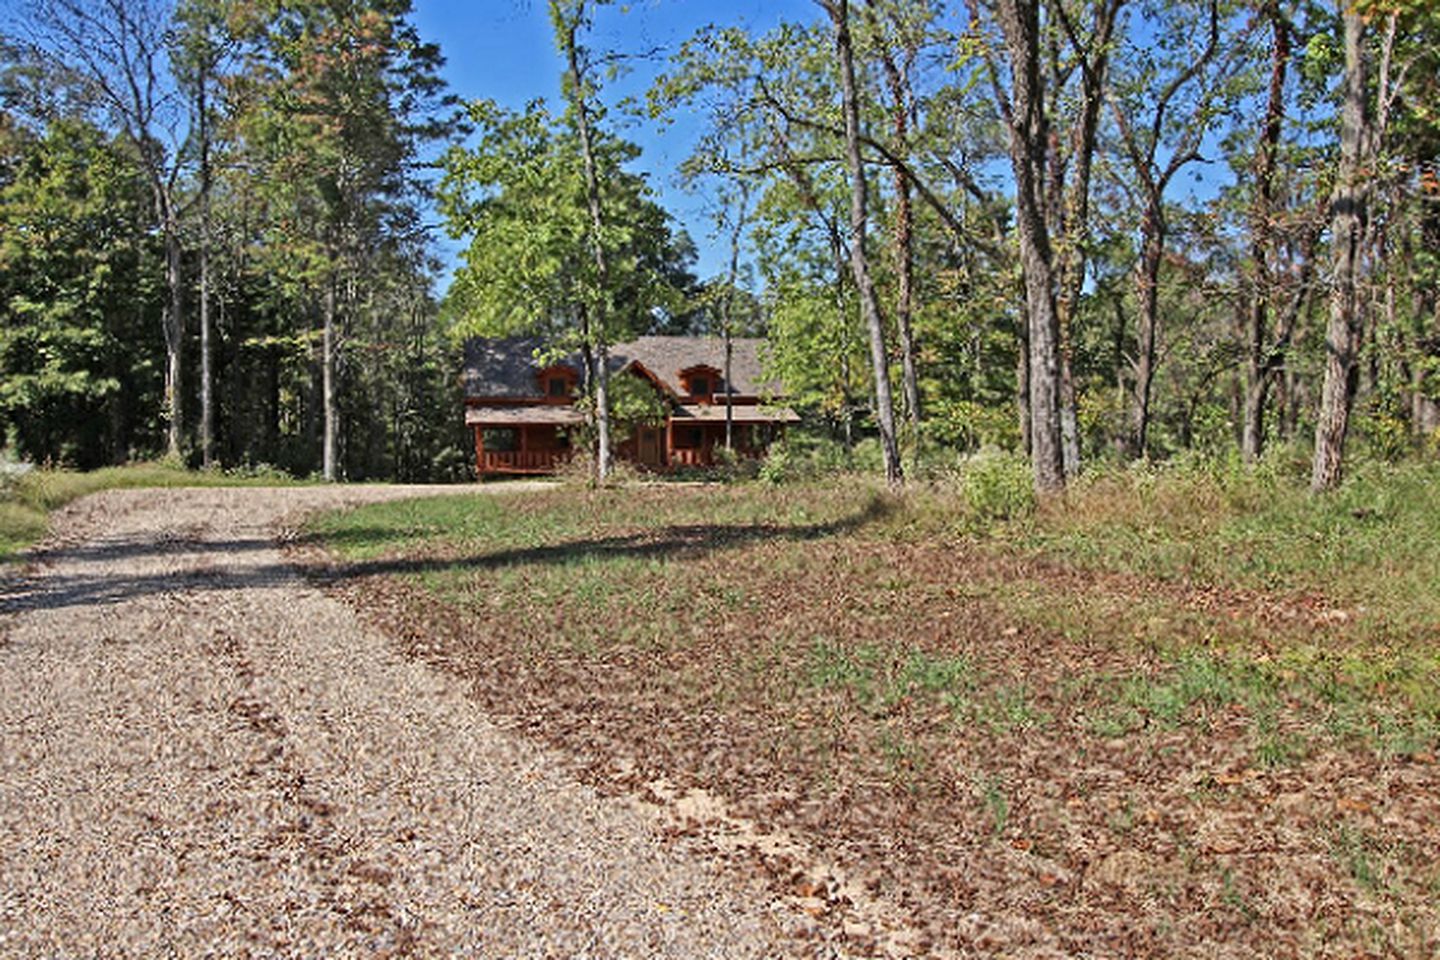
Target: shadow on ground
[221, 565]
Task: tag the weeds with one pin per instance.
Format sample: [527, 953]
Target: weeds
[1355, 851]
[997, 804]
[1124, 653]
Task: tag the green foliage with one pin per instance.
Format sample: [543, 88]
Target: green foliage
[997, 486]
[519, 198]
[77, 320]
[801, 456]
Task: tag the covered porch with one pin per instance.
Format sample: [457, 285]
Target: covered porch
[695, 431]
[522, 439]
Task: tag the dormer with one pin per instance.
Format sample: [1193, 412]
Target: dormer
[557, 383]
[701, 383]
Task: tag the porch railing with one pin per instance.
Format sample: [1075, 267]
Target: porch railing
[522, 461]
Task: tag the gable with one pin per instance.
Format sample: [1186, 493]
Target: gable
[668, 357]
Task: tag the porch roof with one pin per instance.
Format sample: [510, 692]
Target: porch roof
[715, 413]
[555, 414]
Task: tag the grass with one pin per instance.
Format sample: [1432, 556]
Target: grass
[1193, 660]
[1374, 543]
[27, 500]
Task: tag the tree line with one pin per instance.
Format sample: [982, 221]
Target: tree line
[1088, 230]
[1108, 229]
[222, 201]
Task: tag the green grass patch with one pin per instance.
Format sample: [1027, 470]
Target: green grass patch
[1374, 543]
[20, 525]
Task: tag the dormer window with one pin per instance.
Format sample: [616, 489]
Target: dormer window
[556, 383]
[700, 383]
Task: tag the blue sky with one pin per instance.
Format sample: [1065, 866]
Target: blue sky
[503, 50]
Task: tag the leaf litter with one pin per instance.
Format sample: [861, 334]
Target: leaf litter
[959, 748]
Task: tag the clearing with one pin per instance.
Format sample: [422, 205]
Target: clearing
[1175, 717]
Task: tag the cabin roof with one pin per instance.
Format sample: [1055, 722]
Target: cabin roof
[506, 368]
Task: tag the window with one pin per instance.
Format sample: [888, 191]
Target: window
[500, 439]
[688, 438]
[700, 382]
[558, 387]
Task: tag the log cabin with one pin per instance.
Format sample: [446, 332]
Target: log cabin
[523, 416]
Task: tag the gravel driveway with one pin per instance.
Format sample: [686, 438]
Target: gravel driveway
[201, 754]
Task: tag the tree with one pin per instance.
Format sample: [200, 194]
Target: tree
[116, 53]
[839, 11]
[1366, 103]
[340, 98]
[522, 198]
[1022, 107]
[1158, 144]
[76, 310]
[199, 46]
[568, 18]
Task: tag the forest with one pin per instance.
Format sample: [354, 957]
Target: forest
[1084, 231]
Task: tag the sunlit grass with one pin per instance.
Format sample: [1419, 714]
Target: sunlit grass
[1355, 577]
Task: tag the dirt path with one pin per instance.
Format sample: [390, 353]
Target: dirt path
[201, 754]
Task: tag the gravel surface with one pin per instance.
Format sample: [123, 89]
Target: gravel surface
[203, 755]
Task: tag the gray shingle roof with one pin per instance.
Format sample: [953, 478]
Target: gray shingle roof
[505, 367]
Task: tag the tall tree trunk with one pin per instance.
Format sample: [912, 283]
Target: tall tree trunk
[905, 309]
[207, 384]
[904, 248]
[727, 306]
[575, 90]
[869, 303]
[173, 322]
[1028, 143]
[207, 376]
[1348, 216]
[847, 400]
[1147, 291]
[602, 407]
[1074, 215]
[1022, 392]
[331, 424]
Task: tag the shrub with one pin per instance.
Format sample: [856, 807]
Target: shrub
[803, 456]
[997, 486]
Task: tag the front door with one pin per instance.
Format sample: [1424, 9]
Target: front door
[649, 447]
